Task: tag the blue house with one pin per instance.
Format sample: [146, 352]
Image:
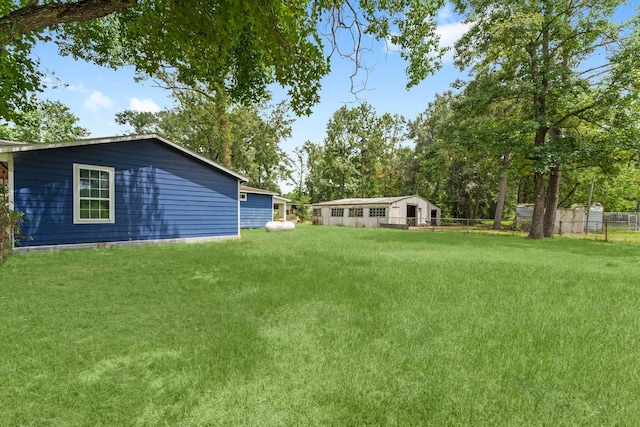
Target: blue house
[118, 191]
[257, 207]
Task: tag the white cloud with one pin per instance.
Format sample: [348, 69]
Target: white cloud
[450, 33]
[97, 101]
[77, 88]
[450, 29]
[445, 14]
[143, 105]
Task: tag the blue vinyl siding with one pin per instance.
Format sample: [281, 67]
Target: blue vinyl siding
[160, 193]
[256, 211]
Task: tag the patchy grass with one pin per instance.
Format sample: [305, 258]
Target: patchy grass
[324, 326]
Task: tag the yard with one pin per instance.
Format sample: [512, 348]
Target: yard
[324, 326]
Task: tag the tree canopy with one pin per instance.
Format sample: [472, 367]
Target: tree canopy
[47, 121]
[235, 46]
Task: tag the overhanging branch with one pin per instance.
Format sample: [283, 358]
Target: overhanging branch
[36, 17]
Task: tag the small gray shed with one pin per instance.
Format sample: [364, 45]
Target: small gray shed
[374, 212]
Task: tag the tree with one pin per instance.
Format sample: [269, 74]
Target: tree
[540, 54]
[239, 45]
[142, 122]
[48, 121]
[449, 169]
[358, 153]
[492, 131]
[256, 134]
[315, 184]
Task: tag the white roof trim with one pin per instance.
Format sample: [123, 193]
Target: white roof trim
[253, 190]
[115, 139]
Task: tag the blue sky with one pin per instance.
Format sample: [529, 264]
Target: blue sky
[95, 94]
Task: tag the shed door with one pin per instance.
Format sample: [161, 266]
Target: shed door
[411, 215]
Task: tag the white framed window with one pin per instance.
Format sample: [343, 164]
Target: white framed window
[243, 196]
[93, 194]
[377, 212]
[317, 212]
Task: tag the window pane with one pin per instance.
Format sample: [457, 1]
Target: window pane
[95, 193]
[104, 194]
[94, 174]
[84, 204]
[84, 173]
[84, 192]
[104, 210]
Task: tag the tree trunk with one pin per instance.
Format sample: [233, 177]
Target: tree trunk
[362, 176]
[502, 194]
[551, 202]
[537, 220]
[34, 17]
[539, 102]
[223, 126]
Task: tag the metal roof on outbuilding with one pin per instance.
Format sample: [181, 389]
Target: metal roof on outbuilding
[4, 143]
[364, 201]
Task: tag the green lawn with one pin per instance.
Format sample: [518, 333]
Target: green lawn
[324, 326]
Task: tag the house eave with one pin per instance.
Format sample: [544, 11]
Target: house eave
[19, 147]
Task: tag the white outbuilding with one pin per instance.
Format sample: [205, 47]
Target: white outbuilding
[377, 212]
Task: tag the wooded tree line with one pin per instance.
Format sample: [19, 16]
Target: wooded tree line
[467, 165]
[552, 94]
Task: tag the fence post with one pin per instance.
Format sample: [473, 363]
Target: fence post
[467, 225]
[606, 231]
[560, 228]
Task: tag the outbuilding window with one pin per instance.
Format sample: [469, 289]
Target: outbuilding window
[337, 212]
[93, 194]
[377, 212]
[317, 212]
[356, 212]
[243, 197]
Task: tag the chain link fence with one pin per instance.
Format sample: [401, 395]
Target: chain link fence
[616, 223]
